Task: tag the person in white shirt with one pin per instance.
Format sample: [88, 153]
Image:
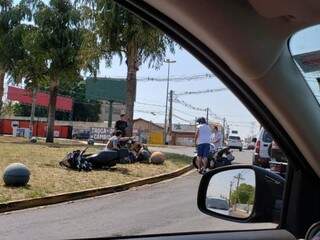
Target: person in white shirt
[202, 140]
[217, 138]
[113, 143]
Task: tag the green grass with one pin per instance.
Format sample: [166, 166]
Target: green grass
[48, 178]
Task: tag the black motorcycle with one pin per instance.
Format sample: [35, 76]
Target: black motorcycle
[217, 157]
[80, 161]
[105, 159]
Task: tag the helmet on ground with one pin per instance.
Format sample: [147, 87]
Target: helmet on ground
[157, 158]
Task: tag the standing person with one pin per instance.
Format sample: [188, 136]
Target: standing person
[217, 138]
[202, 140]
[122, 124]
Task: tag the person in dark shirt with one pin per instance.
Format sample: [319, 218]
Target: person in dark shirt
[122, 124]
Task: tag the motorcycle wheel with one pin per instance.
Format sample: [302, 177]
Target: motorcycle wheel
[194, 162]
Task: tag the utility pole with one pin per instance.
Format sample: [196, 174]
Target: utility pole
[110, 114]
[238, 177]
[227, 131]
[33, 109]
[168, 61]
[230, 192]
[207, 118]
[252, 128]
[170, 116]
[224, 130]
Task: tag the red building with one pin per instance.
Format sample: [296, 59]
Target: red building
[39, 127]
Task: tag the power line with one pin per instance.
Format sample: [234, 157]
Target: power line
[182, 119]
[150, 112]
[149, 104]
[214, 115]
[193, 77]
[179, 78]
[183, 112]
[201, 91]
[182, 102]
[162, 106]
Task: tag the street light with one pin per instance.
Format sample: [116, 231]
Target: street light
[168, 61]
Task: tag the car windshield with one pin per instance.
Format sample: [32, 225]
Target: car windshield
[106, 125]
[234, 138]
[267, 137]
[305, 50]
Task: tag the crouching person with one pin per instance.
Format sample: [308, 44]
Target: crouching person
[114, 141]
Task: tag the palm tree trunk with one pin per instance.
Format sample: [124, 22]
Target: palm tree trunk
[132, 53]
[2, 75]
[54, 83]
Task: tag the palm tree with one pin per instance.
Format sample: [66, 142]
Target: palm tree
[126, 35]
[10, 18]
[59, 37]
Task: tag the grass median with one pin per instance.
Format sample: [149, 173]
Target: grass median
[48, 178]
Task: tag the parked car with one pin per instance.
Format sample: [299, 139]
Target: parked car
[261, 155]
[218, 205]
[276, 154]
[279, 162]
[235, 142]
[251, 146]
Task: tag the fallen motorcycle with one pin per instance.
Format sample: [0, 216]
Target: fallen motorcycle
[128, 153]
[80, 161]
[217, 157]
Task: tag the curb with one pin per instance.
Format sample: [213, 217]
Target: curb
[65, 197]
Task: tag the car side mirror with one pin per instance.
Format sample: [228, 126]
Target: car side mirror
[242, 193]
[254, 140]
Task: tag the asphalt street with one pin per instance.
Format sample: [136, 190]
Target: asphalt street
[164, 207]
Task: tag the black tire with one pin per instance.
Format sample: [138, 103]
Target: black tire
[240, 149]
[194, 162]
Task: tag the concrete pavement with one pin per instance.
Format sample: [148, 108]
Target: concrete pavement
[159, 208]
[244, 157]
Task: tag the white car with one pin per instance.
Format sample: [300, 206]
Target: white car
[218, 205]
[261, 155]
[235, 142]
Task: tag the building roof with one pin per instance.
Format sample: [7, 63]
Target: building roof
[150, 122]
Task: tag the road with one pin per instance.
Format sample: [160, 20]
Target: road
[168, 206]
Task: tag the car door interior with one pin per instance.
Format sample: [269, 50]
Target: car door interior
[238, 235]
[301, 199]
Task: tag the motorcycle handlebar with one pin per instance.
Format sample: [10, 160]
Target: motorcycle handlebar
[83, 151]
